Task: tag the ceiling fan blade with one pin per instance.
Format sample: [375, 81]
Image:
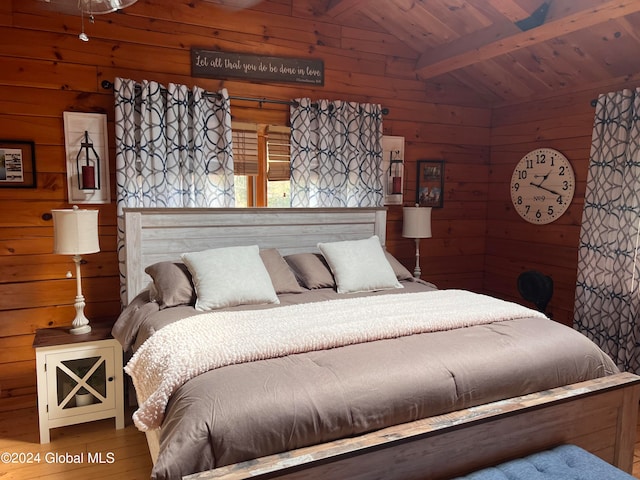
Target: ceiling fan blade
[68, 7]
[95, 7]
[234, 5]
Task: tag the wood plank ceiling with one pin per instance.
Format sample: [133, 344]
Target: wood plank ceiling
[507, 51]
[500, 51]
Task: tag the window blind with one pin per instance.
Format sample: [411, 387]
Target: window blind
[278, 155]
[245, 151]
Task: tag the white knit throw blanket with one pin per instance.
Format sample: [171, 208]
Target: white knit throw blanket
[189, 347]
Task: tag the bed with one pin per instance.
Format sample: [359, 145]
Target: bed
[365, 403]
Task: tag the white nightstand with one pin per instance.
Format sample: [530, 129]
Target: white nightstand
[79, 378]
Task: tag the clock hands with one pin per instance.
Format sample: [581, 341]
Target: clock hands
[544, 177]
[544, 188]
[538, 185]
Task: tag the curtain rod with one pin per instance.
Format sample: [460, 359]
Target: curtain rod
[107, 85]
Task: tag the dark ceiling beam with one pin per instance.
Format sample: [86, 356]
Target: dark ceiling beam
[534, 20]
[565, 16]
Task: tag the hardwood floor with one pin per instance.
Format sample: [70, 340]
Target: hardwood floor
[93, 450]
[124, 452]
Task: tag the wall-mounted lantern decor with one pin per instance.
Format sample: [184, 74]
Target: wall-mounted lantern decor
[393, 169]
[88, 165]
[87, 157]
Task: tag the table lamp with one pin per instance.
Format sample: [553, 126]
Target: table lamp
[75, 232]
[416, 224]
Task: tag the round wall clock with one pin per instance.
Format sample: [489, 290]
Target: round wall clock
[542, 185]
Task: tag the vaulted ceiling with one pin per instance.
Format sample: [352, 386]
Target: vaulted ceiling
[508, 50]
[495, 51]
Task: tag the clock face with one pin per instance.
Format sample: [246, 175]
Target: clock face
[542, 185]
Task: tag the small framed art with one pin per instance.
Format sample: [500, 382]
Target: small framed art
[17, 164]
[430, 183]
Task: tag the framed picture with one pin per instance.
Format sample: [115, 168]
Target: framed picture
[17, 164]
[430, 183]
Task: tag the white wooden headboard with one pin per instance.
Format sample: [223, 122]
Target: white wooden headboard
[162, 234]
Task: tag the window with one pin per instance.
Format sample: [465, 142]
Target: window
[278, 166]
[245, 151]
[261, 165]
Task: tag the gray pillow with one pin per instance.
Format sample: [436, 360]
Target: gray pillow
[311, 270]
[400, 270]
[172, 284]
[282, 277]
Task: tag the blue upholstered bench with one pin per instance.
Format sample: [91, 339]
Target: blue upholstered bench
[566, 462]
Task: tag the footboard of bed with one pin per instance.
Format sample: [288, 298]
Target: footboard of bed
[598, 415]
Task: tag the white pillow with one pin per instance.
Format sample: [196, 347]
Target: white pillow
[359, 265]
[224, 277]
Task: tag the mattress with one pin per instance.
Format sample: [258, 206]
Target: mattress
[250, 409]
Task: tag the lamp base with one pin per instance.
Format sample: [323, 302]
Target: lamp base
[80, 330]
[80, 324]
[416, 271]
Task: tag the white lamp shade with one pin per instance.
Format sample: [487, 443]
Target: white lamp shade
[75, 232]
[416, 222]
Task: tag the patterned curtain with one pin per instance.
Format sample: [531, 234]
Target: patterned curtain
[173, 149]
[336, 154]
[173, 146]
[607, 301]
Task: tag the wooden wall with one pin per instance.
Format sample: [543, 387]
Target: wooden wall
[514, 245]
[46, 70]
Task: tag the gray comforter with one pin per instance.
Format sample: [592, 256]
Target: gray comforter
[244, 411]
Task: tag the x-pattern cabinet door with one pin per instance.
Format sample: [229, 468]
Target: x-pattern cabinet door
[83, 379]
[78, 382]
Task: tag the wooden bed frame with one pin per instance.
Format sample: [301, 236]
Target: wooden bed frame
[598, 415]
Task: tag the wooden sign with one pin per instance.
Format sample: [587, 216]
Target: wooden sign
[214, 64]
